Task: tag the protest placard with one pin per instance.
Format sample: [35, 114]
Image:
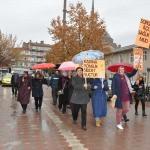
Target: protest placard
[138, 58]
[143, 37]
[94, 69]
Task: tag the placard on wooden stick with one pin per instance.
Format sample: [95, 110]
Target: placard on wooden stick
[138, 58]
[143, 37]
[94, 69]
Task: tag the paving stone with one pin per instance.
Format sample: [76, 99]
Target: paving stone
[52, 130]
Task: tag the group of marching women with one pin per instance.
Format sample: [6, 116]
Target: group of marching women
[74, 90]
[71, 89]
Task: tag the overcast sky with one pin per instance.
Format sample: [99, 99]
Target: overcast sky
[29, 19]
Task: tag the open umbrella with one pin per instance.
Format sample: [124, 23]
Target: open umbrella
[89, 54]
[43, 66]
[67, 66]
[114, 67]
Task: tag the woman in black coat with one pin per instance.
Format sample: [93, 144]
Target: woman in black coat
[63, 87]
[139, 95]
[37, 90]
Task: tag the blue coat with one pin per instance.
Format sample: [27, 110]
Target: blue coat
[99, 98]
[54, 81]
[116, 89]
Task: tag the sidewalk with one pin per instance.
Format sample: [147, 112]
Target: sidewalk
[134, 137]
[32, 131]
[52, 130]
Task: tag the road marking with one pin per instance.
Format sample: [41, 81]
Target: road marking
[12, 145]
[69, 136]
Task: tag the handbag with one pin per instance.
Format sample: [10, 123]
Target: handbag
[60, 92]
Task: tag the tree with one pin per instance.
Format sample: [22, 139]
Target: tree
[7, 53]
[82, 31]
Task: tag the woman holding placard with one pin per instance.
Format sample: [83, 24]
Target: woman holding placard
[79, 98]
[122, 90]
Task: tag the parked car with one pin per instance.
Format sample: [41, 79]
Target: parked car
[109, 92]
[6, 79]
[3, 72]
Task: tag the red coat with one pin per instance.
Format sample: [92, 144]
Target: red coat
[24, 91]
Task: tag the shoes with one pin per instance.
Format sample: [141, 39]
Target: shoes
[125, 118]
[74, 121]
[119, 126]
[63, 111]
[144, 115]
[98, 123]
[136, 113]
[68, 106]
[24, 111]
[36, 110]
[84, 128]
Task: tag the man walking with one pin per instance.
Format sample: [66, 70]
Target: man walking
[14, 83]
[54, 85]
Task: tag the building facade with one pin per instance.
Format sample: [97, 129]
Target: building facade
[125, 54]
[32, 53]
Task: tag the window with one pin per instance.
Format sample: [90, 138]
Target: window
[120, 58]
[145, 55]
[144, 75]
[131, 58]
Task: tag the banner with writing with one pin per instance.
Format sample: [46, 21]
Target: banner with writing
[143, 37]
[138, 58]
[94, 69]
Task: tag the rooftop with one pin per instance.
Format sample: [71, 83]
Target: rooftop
[40, 44]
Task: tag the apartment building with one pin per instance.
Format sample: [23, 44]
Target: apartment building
[32, 53]
[125, 54]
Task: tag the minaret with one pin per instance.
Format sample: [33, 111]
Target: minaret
[64, 12]
[92, 11]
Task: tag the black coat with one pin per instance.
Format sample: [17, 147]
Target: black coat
[37, 88]
[63, 84]
[15, 79]
[140, 90]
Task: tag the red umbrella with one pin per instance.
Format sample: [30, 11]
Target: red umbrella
[114, 67]
[43, 66]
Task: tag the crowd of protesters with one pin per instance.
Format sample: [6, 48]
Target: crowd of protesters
[70, 90]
